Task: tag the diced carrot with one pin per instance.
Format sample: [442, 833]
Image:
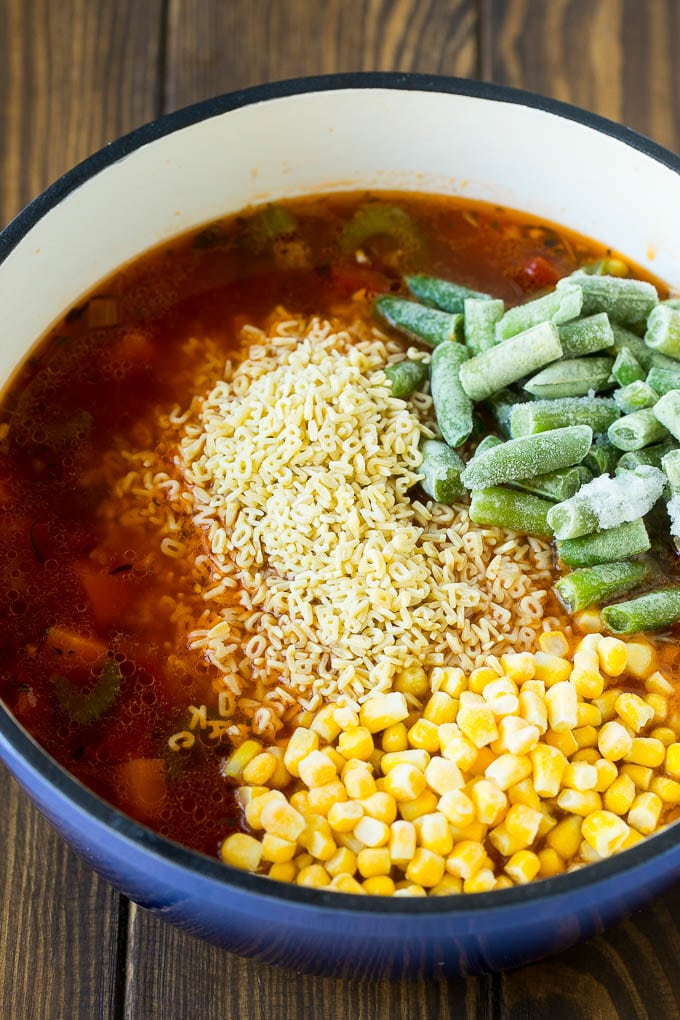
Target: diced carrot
[75, 646]
[537, 274]
[108, 596]
[141, 787]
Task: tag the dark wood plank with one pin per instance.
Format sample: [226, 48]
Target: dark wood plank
[215, 47]
[73, 75]
[58, 922]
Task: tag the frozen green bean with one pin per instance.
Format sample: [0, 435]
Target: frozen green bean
[672, 302]
[481, 316]
[406, 377]
[602, 457]
[556, 485]
[418, 322]
[501, 405]
[663, 330]
[627, 369]
[497, 507]
[649, 455]
[625, 301]
[671, 468]
[442, 294]
[662, 380]
[487, 443]
[571, 377]
[441, 469]
[528, 456]
[633, 431]
[667, 412]
[654, 611]
[597, 585]
[509, 361]
[558, 306]
[452, 405]
[619, 543]
[586, 336]
[542, 415]
[636, 396]
[606, 502]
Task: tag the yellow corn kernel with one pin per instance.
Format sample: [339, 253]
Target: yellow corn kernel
[280, 777]
[536, 687]
[405, 782]
[550, 863]
[457, 807]
[646, 751]
[259, 769]
[589, 754]
[476, 831]
[586, 737]
[283, 872]
[374, 861]
[490, 802]
[564, 742]
[503, 841]
[613, 656]
[634, 711]
[547, 823]
[314, 876]
[422, 805]
[301, 743]
[503, 703]
[449, 679]
[479, 678]
[551, 669]
[413, 680]
[523, 822]
[316, 769]
[418, 757]
[356, 742]
[321, 799]
[241, 851]
[277, 850]
[343, 862]
[588, 621]
[561, 701]
[614, 741]
[519, 666]
[588, 714]
[525, 793]
[408, 890]
[255, 808]
[665, 734]
[672, 763]
[434, 833]
[395, 738]
[579, 802]
[338, 759]
[548, 765]
[443, 775]
[440, 709]
[300, 801]
[461, 751]
[303, 860]
[620, 795]
[346, 884]
[383, 710]
[465, 859]
[640, 659]
[565, 837]
[553, 642]
[359, 783]
[483, 880]
[380, 805]
[515, 735]
[509, 769]
[325, 724]
[317, 838]
[523, 866]
[402, 842]
[342, 817]
[579, 775]
[645, 812]
[588, 683]
[371, 831]
[606, 774]
[425, 868]
[632, 839]
[606, 704]
[424, 734]
[659, 706]
[667, 789]
[481, 763]
[449, 886]
[588, 854]
[477, 723]
[533, 709]
[238, 759]
[658, 684]
[640, 774]
[378, 885]
[244, 794]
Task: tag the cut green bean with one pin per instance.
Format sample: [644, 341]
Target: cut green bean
[542, 415]
[602, 457]
[487, 443]
[509, 361]
[377, 219]
[593, 586]
[586, 336]
[671, 468]
[672, 302]
[667, 412]
[636, 396]
[418, 322]
[441, 470]
[406, 377]
[625, 301]
[481, 316]
[606, 502]
[627, 369]
[497, 507]
[528, 456]
[452, 405]
[619, 543]
[662, 380]
[501, 405]
[652, 455]
[556, 485]
[442, 294]
[571, 377]
[655, 611]
[633, 431]
[663, 331]
[557, 307]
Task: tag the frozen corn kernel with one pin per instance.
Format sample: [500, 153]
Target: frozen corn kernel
[244, 794]
[434, 833]
[672, 762]
[551, 669]
[425, 868]
[646, 751]
[632, 839]
[424, 734]
[562, 703]
[522, 823]
[277, 850]
[667, 789]
[645, 813]
[343, 817]
[606, 704]
[612, 654]
[441, 709]
[422, 805]
[523, 866]
[489, 800]
[405, 782]
[634, 711]
[503, 704]
[525, 793]
[409, 890]
[533, 710]
[548, 764]
[283, 872]
[588, 682]
[476, 832]
[378, 885]
[588, 854]
[280, 777]
[314, 876]
[614, 741]
[241, 851]
[553, 642]
[586, 737]
[485, 757]
[509, 769]
[383, 710]
[259, 769]
[402, 842]
[579, 775]
[359, 783]
[589, 754]
[504, 842]
[465, 859]
[640, 774]
[565, 837]
[658, 684]
[640, 659]
[480, 677]
[620, 795]
[579, 802]
[395, 738]
[588, 714]
[565, 742]
[255, 808]
[317, 838]
[303, 860]
[356, 742]
[371, 831]
[300, 801]
[519, 666]
[346, 884]
[380, 805]
[418, 757]
[338, 759]
[483, 880]
[321, 799]
[374, 861]
[589, 621]
[461, 751]
[457, 807]
[316, 769]
[301, 743]
[449, 679]
[326, 724]
[477, 723]
[238, 759]
[413, 680]
[443, 775]
[659, 706]
[449, 886]
[550, 863]
[343, 862]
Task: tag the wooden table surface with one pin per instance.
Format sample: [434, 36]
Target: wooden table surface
[75, 74]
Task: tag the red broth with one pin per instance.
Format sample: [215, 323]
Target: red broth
[83, 596]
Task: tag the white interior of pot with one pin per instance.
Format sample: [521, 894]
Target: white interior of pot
[341, 140]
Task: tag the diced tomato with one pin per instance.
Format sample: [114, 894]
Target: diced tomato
[346, 280]
[109, 596]
[537, 274]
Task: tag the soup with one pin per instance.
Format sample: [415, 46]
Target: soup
[235, 608]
